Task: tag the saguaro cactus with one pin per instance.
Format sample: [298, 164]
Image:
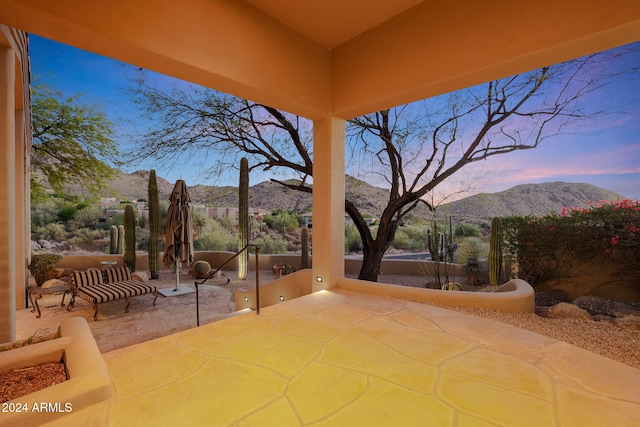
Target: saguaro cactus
[154, 226]
[130, 237]
[495, 251]
[113, 240]
[450, 246]
[305, 247]
[120, 249]
[243, 218]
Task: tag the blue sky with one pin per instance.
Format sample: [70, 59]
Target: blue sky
[605, 153]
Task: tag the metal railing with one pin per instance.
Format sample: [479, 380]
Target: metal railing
[211, 275]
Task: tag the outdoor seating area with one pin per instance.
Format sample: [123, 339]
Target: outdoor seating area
[103, 285]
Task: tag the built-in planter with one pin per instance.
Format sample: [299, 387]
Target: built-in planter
[88, 378]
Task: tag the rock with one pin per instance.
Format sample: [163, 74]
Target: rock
[630, 321]
[565, 310]
[45, 244]
[141, 276]
[551, 297]
[603, 318]
[542, 311]
[52, 283]
[56, 273]
[608, 307]
[35, 246]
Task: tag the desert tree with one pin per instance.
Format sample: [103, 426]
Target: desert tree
[72, 142]
[414, 148]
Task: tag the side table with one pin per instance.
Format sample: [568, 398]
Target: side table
[35, 293]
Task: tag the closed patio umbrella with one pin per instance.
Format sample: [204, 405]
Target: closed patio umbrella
[178, 236]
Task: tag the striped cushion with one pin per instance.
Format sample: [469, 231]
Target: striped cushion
[116, 274]
[112, 291]
[90, 277]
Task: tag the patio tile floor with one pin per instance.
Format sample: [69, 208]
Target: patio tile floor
[339, 358]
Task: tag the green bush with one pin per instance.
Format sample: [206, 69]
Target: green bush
[40, 264]
[224, 241]
[66, 213]
[548, 247]
[43, 213]
[142, 239]
[270, 245]
[216, 237]
[52, 231]
[279, 220]
[352, 240]
[401, 239]
[90, 240]
[463, 229]
[411, 238]
[86, 218]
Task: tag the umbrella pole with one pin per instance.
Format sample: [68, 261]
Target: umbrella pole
[177, 276]
[177, 248]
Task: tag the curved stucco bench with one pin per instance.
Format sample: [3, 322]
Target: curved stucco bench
[515, 296]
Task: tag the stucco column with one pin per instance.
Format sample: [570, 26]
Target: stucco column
[328, 202]
[7, 196]
[22, 214]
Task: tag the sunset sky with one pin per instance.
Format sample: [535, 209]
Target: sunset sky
[606, 153]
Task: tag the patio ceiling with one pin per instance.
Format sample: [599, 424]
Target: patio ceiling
[328, 57]
[333, 22]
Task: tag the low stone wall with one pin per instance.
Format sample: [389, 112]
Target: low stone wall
[266, 261]
[288, 287]
[515, 296]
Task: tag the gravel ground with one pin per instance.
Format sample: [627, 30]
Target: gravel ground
[611, 341]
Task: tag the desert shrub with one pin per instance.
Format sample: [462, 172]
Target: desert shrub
[270, 245]
[143, 221]
[52, 231]
[86, 218]
[90, 239]
[283, 220]
[229, 223]
[352, 240]
[201, 223]
[463, 229]
[401, 239]
[217, 240]
[43, 213]
[411, 238]
[471, 251]
[40, 264]
[142, 239]
[548, 247]
[66, 212]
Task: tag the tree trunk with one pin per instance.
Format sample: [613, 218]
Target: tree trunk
[371, 262]
[373, 249]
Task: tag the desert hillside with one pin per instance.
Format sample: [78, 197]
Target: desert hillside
[527, 199]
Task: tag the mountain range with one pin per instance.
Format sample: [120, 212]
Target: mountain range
[526, 199]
